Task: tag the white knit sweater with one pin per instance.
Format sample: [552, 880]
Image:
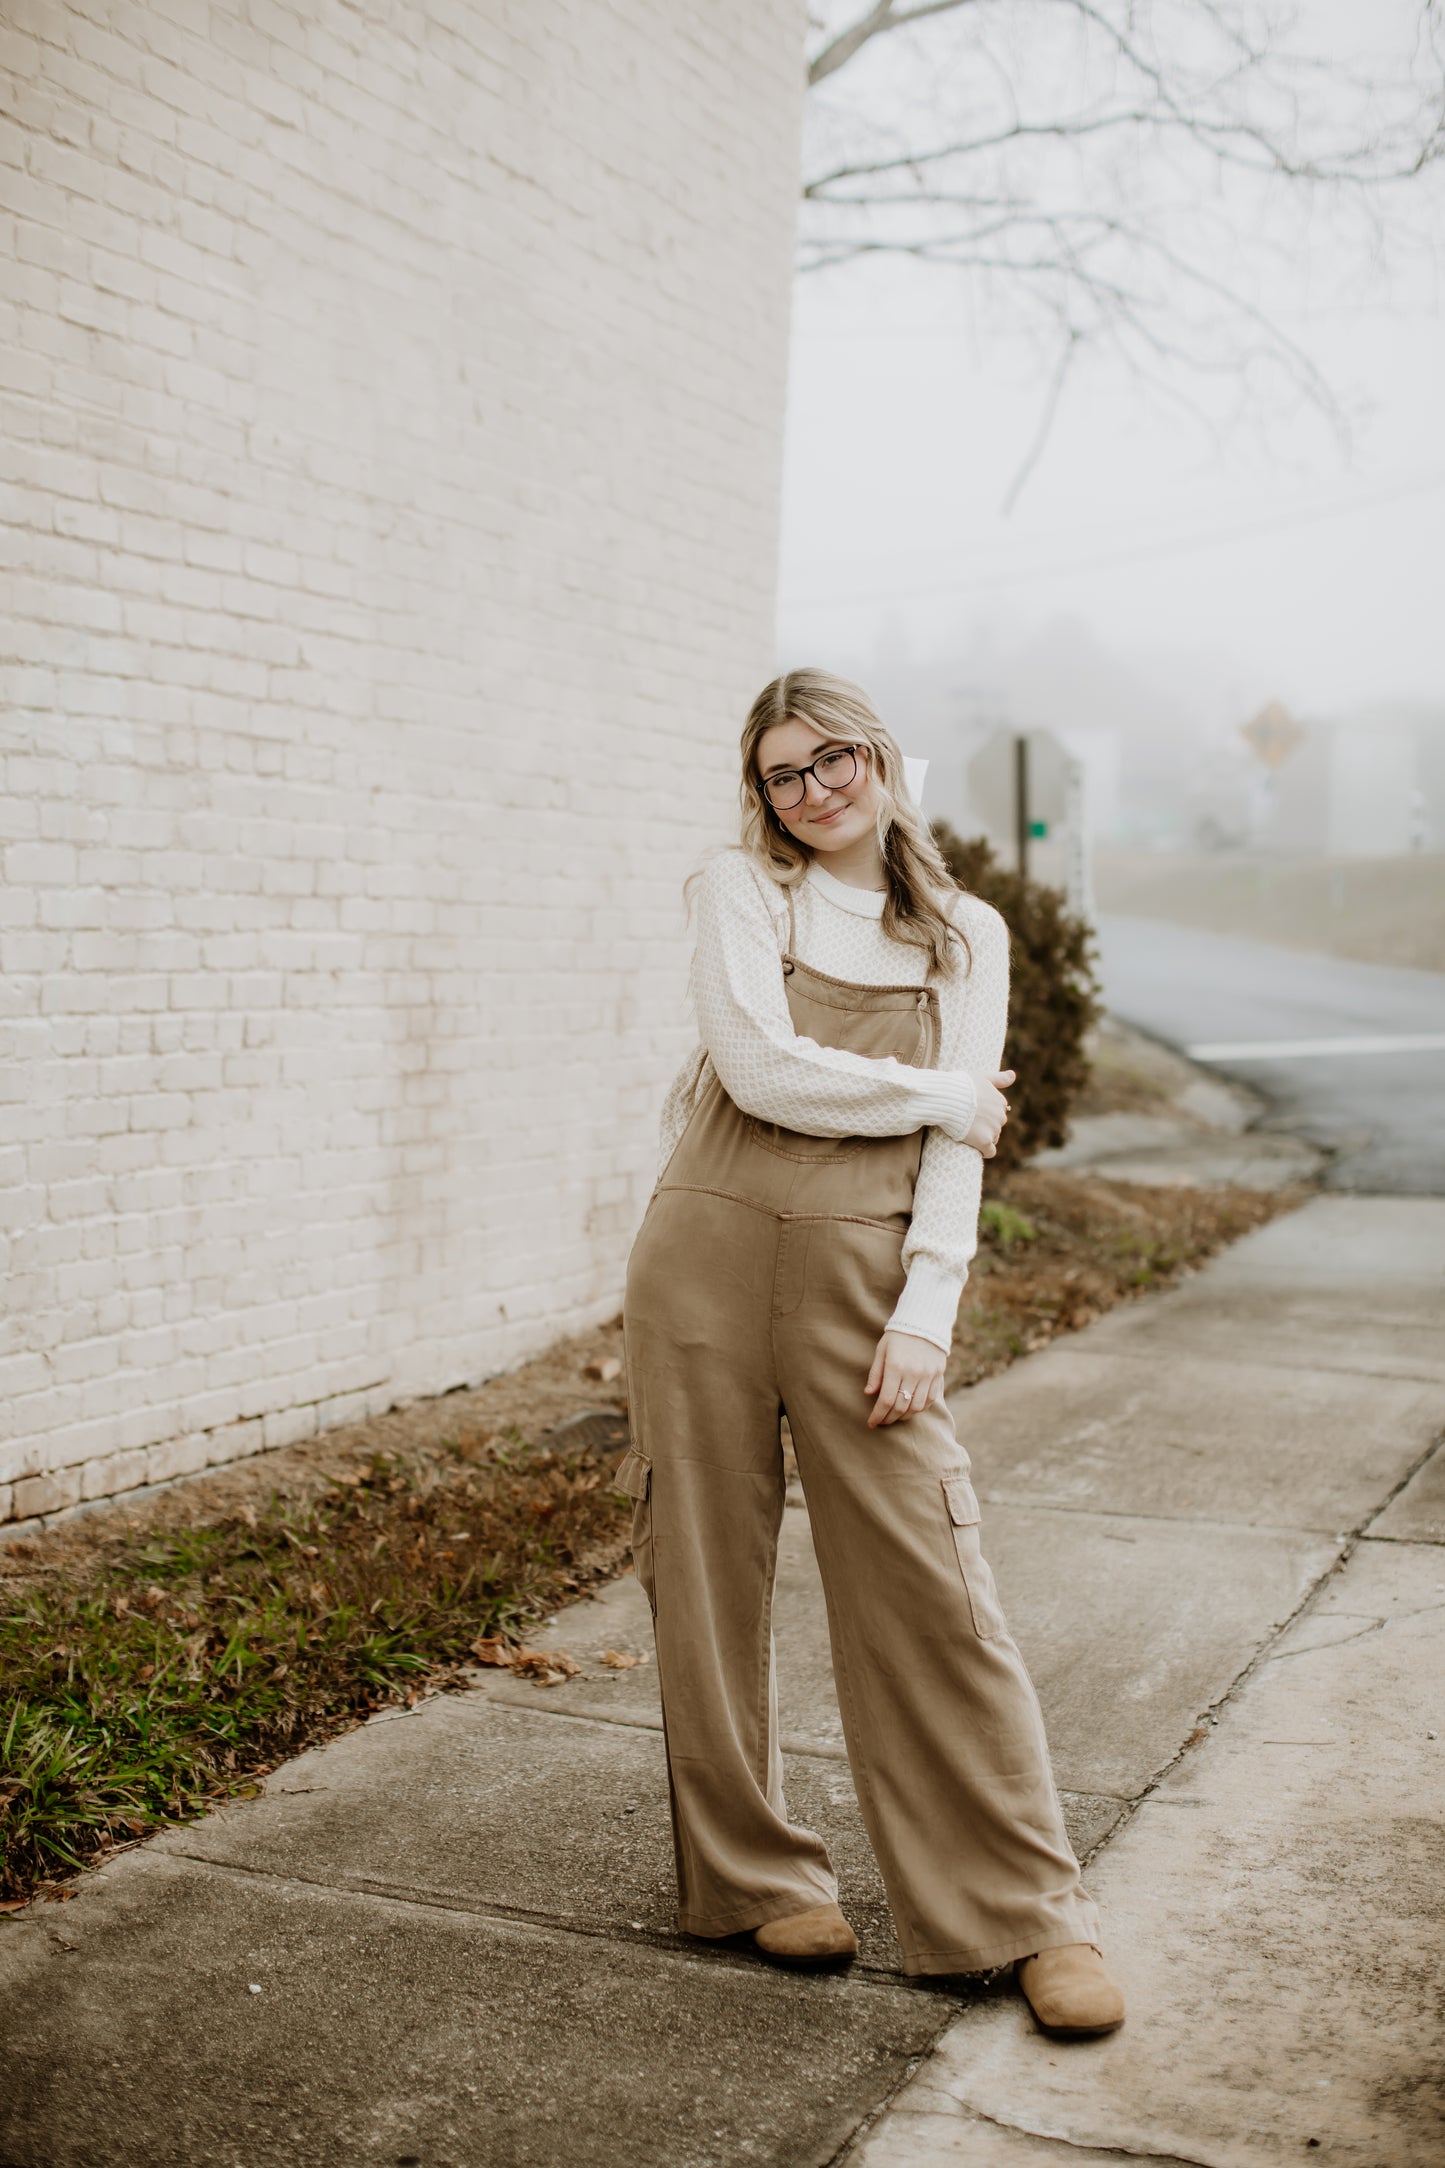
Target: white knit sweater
[749, 1042]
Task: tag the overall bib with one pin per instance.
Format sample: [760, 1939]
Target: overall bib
[763, 1275]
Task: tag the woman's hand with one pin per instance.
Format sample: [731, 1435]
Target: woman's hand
[907, 1376]
[991, 1112]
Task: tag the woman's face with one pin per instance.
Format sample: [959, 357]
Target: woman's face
[827, 818]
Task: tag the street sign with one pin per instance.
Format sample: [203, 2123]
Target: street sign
[1028, 785]
[1273, 734]
[991, 781]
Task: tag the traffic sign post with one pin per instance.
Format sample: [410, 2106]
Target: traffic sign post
[1028, 786]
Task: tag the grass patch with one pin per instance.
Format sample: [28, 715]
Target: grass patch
[1002, 1225]
[181, 1670]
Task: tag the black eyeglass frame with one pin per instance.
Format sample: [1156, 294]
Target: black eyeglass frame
[802, 774]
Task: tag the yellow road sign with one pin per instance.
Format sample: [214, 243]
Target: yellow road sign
[1273, 734]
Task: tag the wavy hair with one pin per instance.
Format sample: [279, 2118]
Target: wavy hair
[918, 881]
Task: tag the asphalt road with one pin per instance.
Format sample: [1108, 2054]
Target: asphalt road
[1380, 1108]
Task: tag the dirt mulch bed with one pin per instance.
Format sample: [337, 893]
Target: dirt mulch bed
[163, 1654]
[1058, 1250]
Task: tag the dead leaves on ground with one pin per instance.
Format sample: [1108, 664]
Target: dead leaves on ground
[544, 1667]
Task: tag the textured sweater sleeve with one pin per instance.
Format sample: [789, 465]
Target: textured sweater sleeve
[943, 1235]
[765, 1067]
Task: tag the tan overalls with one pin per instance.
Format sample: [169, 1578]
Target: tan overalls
[761, 1280]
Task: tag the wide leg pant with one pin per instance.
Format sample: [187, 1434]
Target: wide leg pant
[733, 1315]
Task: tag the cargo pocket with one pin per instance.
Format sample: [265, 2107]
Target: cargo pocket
[988, 1618]
[635, 1478]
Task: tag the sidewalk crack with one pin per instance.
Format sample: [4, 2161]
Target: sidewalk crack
[1083, 2145]
[1378, 1625]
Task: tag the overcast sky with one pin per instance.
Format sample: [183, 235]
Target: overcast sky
[1289, 567]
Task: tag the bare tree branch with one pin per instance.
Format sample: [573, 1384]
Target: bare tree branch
[1045, 428]
[878, 19]
[1150, 184]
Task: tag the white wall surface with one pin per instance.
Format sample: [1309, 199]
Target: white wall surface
[392, 404]
[1350, 790]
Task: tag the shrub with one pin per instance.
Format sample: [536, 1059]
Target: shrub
[1054, 996]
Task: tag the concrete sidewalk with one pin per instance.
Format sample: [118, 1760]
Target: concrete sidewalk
[1216, 1518]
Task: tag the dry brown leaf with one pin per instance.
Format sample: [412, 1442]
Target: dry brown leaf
[604, 1368]
[545, 1667]
[493, 1650]
[13, 1904]
[615, 1660]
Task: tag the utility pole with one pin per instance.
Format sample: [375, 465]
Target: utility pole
[1021, 804]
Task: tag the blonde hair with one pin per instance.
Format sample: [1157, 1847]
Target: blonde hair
[917, 879]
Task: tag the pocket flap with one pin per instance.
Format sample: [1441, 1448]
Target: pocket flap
[962, 1505]
[634, 1474]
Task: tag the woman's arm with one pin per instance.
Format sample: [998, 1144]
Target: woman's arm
[943, 1235]
[765, 1068]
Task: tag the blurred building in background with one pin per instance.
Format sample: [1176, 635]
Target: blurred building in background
[394, 406]
[1167, 762]
[1362, 786]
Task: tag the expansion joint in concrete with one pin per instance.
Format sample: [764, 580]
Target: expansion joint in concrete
[880, 2109]
[1349, 1544]
[1421, 1460]
[696, 1951]
[1261, 1359]
[790, 1742]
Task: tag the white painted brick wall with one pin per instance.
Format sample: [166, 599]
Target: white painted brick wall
[390, 411]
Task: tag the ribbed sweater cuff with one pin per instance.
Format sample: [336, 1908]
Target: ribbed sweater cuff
[947, 1099]
[929, 1303]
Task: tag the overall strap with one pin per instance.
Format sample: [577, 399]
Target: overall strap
[792, 927]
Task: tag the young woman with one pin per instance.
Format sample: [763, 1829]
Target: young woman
[803, 1253]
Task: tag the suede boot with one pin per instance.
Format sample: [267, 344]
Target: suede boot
[819, 1936]
[1070, 1993]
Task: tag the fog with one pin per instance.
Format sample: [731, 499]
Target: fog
[1178, 556]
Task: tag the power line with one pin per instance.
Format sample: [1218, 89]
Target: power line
[1182, 546]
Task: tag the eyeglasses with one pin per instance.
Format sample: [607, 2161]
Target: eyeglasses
[835, 770]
